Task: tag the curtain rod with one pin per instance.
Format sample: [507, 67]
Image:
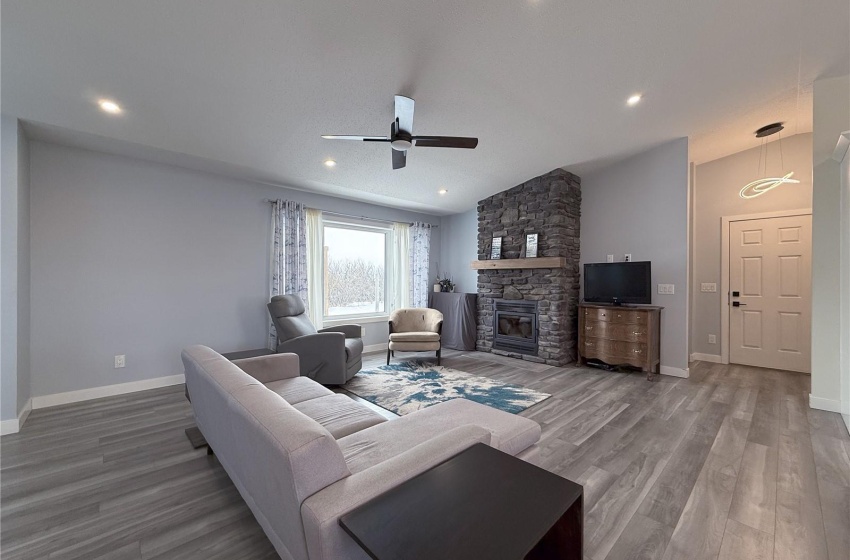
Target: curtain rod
[341, 215]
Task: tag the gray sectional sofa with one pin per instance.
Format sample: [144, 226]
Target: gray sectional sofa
[302, 456]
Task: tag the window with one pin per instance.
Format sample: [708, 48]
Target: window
[355, 270]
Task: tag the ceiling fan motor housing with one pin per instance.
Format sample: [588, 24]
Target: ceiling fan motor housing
[402, 141]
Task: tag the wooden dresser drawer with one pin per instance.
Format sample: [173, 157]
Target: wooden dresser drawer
[616, 331]
[597, 314]
[615, 351]
[629, 316]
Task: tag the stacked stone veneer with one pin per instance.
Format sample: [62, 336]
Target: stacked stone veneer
[549, 205]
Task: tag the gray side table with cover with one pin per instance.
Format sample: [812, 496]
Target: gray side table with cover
[460, 316]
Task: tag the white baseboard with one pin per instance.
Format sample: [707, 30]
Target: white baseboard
[14, 425]
[9, 427]
[820, 403]
[57, 399]
[675, 372]
[700, 357]
[375, 347]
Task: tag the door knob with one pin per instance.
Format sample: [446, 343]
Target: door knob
[738, 304]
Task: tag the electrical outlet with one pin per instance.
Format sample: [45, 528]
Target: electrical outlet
[712, 339]
[708, 287]
[610, 258]
[667, 289]
[119, 361]
[628, 257]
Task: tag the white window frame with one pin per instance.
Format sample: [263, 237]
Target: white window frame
[371, 227]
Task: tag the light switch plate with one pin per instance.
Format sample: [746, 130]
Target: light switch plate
[667, 289]
[708, 287]
[712, 339]
[610, 258]
[362, 331]
[120, 361]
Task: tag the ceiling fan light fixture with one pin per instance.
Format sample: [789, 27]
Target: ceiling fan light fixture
[330, 163]
[634, 100]
[401, 144]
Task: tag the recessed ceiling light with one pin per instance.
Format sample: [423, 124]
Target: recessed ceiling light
[634, 100]
[442, 191]
[330, 163]
[109, 106]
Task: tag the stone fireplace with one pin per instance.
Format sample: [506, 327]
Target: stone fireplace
[531, 313]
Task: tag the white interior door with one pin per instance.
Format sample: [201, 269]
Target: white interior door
[770, 275]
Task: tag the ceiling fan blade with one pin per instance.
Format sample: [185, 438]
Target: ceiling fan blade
[399, 159]
[445, 142]
[360, 138]
[404, 113]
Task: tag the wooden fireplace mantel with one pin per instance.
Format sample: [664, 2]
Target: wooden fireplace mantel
[537, 262]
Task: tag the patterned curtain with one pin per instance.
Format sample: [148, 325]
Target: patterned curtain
[289, 254]
[420, 253]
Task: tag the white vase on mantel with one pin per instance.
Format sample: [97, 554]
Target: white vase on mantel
[437, 287]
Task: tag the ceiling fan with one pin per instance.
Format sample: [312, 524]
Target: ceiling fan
[401, 136]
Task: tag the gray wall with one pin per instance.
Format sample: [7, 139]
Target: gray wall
[716, 194]
[831, 118]
[14, 270]
[23, 349]
[459, 235]
[137, 258]
[640, 206]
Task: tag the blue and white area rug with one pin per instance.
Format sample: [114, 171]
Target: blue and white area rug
[405, 387]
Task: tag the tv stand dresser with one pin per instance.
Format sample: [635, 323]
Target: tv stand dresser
[620, 335]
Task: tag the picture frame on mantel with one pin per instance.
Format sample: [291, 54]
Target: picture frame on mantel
[531, 246]
[496, 249]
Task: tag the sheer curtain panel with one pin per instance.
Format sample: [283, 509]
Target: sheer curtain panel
[289, 254]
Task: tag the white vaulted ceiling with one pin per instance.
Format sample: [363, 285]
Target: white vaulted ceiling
[251, 85]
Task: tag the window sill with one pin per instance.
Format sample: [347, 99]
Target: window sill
[356, 320]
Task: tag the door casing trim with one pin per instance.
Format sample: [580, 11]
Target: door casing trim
[725, 222]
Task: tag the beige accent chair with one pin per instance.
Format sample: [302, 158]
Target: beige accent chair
[417, 329]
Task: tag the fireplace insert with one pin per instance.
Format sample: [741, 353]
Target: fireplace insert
[515, 326]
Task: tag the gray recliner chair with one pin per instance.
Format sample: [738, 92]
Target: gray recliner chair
[329, 356]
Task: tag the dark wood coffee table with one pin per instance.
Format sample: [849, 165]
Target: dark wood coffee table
[481, 503]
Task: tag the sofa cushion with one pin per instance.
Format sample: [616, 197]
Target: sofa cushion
[298, 389]
[339, 414]
[414, 346]
[509, 433]
[353, 349]
[415, 337]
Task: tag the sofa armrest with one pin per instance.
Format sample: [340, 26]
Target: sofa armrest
[273, 367]
[350, 331]
[326, 539]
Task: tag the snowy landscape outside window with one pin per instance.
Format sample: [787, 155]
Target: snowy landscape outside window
[355, 270]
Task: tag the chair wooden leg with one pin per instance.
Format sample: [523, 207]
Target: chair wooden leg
[388, 356]
[438, 356]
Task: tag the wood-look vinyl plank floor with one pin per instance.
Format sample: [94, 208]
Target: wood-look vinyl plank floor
[727, 464]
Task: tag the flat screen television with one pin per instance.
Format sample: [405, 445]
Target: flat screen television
[618, 283]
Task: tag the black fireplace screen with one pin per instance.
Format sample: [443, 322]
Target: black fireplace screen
[516, 325]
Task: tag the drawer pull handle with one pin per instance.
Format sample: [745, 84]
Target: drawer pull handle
[588, 344]
[637, 332]
[637, 351]
[588, 328]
